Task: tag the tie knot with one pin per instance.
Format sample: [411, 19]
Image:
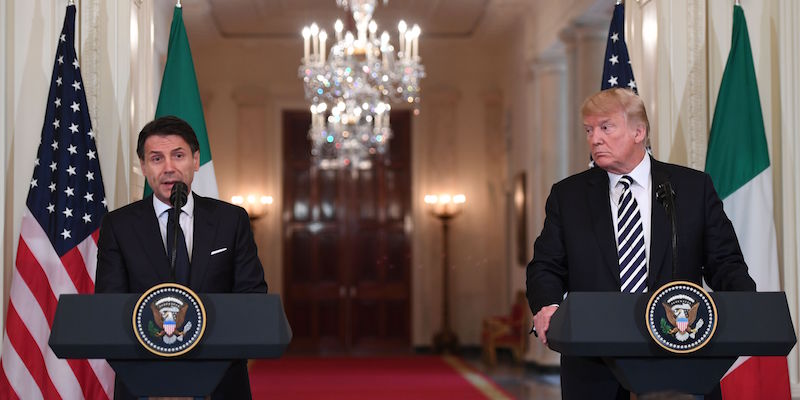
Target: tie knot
[171, 214]
[626, 181]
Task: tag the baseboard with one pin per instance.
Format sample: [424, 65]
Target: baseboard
[536, 368]
[464, 351]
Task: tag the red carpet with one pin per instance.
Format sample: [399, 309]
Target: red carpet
[411, 377]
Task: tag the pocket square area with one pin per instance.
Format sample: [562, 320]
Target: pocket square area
[217, 251]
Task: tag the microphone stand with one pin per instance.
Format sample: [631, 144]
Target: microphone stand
[177, 212]
[178, 199]
[666, 196]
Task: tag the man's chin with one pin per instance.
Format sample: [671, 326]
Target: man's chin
[163, 192]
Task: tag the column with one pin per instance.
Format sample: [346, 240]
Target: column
[786, 166]
[551, 152]
[553, 125]
[143, 94]
[494, 207]
[585, 42]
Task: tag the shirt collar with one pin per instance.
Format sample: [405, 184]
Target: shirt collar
[162, 207]
[640, 174]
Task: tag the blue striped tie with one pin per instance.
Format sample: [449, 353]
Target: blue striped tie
[630, 242]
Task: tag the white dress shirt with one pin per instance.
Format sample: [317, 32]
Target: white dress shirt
[641, 188]
[186, 221]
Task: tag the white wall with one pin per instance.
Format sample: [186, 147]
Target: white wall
[678, 68]
[28, 63]
[28, 38]
[679, 74]
[470, 94]
[786, 159]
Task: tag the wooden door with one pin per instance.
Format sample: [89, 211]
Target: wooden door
[347, 252]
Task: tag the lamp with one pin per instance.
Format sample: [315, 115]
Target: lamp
[351, 87]
[445, 207]
[256, 206]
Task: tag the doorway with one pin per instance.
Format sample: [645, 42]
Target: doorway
[347, 252]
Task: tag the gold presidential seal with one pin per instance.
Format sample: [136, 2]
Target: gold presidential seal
[681, 317]
[169, 319]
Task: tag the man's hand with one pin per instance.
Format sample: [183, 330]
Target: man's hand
[541, 321]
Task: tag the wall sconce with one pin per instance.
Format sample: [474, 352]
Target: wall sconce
[256, 206]
[445, 207]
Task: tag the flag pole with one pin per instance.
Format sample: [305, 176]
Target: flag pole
[178, 4]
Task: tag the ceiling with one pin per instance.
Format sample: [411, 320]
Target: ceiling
[284, 19]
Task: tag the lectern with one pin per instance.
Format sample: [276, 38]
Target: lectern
[612, 326]
[239, 326]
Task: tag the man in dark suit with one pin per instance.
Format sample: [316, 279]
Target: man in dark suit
[132, 255]
[605, 230]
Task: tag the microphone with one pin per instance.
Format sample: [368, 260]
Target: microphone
[177, 198]
[666, 196]
[664, 190]
[178, 195]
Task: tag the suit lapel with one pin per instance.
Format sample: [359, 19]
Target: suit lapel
[660, 228]
[149, 233]
[205, 227]
[602, 224]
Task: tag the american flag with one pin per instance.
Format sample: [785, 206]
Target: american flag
[617, 70]
[57, 250]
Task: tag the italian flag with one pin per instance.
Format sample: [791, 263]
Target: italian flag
[738, 162]
[180, 97]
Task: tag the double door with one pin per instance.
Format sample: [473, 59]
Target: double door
[346, 248]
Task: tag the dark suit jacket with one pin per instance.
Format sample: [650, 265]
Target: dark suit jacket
[131, 258]
[576, 251]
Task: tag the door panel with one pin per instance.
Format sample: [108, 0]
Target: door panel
[346, 252]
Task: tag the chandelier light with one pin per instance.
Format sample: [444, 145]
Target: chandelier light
[351, 87]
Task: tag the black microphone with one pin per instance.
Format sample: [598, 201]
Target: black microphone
[666, 196]
[178, 195]
[177, 198]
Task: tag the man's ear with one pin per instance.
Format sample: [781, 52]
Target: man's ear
[640, 134]
[196, 160]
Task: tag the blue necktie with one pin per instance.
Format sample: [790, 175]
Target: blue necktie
[182, 264]
[630, 241]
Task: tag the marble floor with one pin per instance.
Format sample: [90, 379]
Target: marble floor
[523, 383]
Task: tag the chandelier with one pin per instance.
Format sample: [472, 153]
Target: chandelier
[352, 86]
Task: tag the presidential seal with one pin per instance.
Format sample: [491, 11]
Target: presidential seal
[169, 319]
[681, 317]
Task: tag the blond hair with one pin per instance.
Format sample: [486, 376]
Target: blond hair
[613, 100]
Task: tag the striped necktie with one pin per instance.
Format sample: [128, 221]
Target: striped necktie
[630, 241]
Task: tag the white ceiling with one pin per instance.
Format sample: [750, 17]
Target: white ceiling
[284, 19]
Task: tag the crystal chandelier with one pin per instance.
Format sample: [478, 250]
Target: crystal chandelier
[351, 88]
